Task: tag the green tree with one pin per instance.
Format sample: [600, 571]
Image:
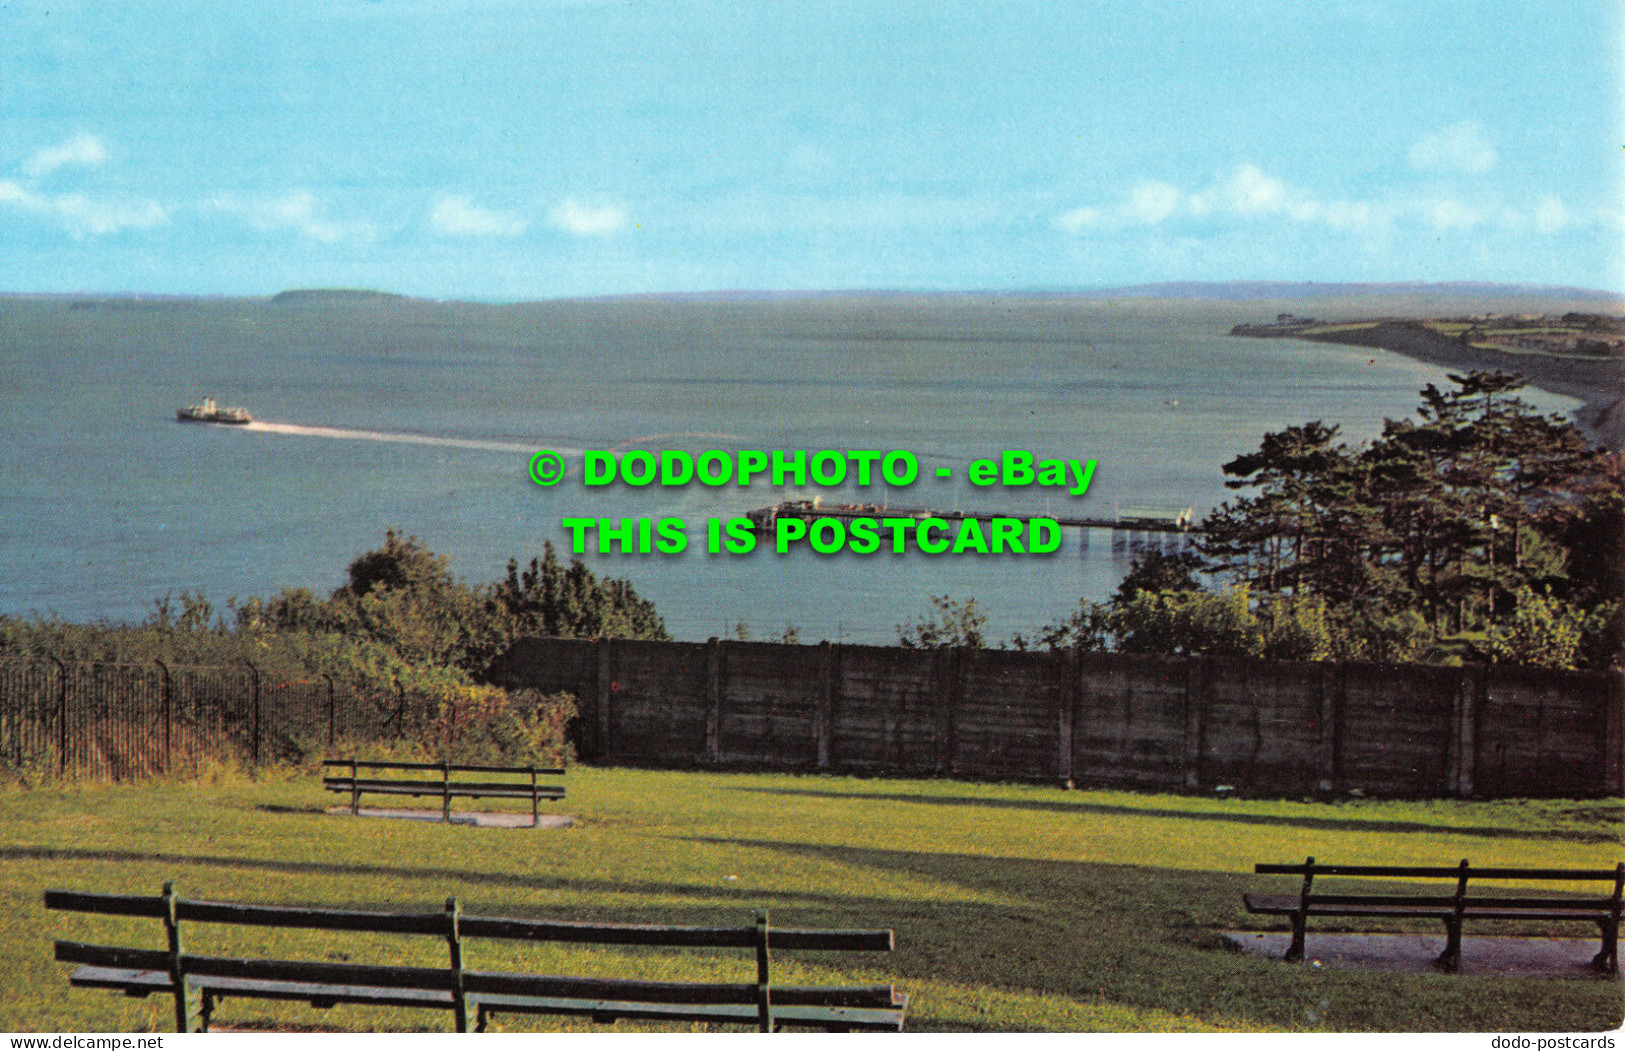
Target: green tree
[546, 598]
[950, 623]
[1184, 623]
[1544, 632]
[1155, 571]
[404, 595]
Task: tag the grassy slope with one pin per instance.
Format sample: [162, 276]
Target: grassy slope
[1016, 908]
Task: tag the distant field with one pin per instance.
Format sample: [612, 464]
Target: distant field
[1016, 908]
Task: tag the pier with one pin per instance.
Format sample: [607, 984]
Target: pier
[1133, 529]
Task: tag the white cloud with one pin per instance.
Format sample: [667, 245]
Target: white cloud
[585, 220]
[81, 149]
[1152, 202]
[85, 216]
[1458, 148]
[1248, 193]
[299, 212]
[1551, 216]
[1251, 192]
[1450, 214]
[1251, 195]
[457, 216]
[1351, 215]
[1079, 219]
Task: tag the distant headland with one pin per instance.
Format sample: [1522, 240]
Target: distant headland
[1581, 355]
[338, 295]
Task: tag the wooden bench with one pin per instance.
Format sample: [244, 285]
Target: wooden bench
[356, 786]
[1452, 908]
[199, 983]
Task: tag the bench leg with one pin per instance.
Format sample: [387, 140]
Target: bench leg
[194, 1016]
[1607, 961]
[1294, 952]
[1450, 959]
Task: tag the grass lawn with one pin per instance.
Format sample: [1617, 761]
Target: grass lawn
[1016, 908]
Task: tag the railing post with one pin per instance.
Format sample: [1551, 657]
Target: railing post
[445, 793]
[764, 992]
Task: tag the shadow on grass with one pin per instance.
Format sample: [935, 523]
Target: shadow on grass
[753, 898]
[1149, 937]
[1118, 940]
[1344, 824]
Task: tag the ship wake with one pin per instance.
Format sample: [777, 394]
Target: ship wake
[354, 434]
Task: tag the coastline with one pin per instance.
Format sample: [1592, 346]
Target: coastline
[1598, 384]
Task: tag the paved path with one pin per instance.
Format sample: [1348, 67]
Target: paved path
[480, 819]
[1506, 956]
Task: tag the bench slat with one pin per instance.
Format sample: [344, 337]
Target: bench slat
[144, 983]
[316, 919]
[644, 991]
[105, 904]
[456, 768]
[364, 785]
[112, 956]
[438, 790]
[1432, 872]
[881, 1019]
[672, 936]
[1290, 906]
[878, 1007]
[257, 915]
[262, 970]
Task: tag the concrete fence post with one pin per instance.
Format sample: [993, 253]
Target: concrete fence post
[1066, 701]
[1196, 704]
[1330, 711]
[1470, 689]
[953, 665]
[713, 700]
[606, 747]
[1613, 760]
[824, 713]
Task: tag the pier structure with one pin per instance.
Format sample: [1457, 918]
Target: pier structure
[1134, 529]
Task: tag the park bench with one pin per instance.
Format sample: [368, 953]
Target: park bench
[198, 983]
[1450, 908]
[355, 786]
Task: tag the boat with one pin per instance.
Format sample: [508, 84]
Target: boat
[209, 412]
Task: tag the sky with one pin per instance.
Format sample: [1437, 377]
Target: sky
[494, 150]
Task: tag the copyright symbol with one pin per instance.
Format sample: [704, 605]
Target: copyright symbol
[546, 467]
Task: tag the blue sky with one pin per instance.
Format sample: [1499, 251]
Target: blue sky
[491, 150]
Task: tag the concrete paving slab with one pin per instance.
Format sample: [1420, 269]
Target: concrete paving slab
[1511, 957]
[478, 819]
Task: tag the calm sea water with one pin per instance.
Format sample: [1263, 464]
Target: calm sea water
[422, 416]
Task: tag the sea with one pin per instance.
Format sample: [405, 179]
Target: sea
[375, 413]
